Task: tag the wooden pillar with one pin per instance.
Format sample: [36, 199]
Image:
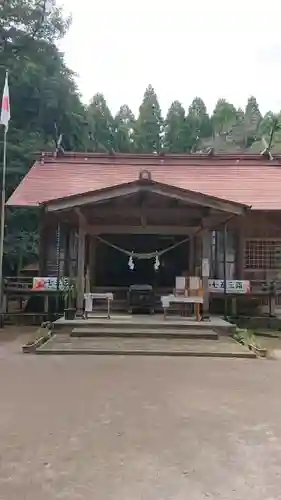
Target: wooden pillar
[67, 252]
[58, 253]
[80, 267]
[216, 256]
[92, 259]
[206, 254]
[191, 266]
[73, 251]
[197, 251]
[225, 277]
[240, 254]
[43, 244]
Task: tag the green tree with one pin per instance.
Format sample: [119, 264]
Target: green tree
[237, 134]
[270, 130]
[246, 129]
[149, 124]
[23, 22]
[101, 125]
[253, 119]
[224, 116]
[198, 121]
[276, 139]
[266, 123]
[44, 102]
[124, 130]
[177, 138]
[42, 90]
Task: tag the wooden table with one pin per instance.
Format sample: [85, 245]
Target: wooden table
[90, 297]
[167, 300]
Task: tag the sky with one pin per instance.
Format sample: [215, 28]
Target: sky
[184, 48]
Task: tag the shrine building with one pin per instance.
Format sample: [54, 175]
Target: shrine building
[125, 219]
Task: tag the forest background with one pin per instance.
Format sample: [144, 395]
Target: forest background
[46, 108]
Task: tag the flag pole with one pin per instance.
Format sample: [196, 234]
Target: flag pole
[2, 223]
[5, 117]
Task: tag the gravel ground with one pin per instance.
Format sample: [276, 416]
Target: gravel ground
[129, 428]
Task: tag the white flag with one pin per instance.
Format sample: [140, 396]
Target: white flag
[5, 108]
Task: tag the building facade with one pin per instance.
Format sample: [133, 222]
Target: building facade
[117, 219]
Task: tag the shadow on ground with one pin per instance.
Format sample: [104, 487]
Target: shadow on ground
[18, 334]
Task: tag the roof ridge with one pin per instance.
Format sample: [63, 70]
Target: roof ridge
[157, 159]
[150, 156]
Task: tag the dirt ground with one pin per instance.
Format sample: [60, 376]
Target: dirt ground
[137, 428]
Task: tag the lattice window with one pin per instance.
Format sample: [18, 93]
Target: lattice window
[262, 254]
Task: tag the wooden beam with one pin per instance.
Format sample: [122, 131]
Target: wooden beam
[81, 217]
[173, 230]
[201, 200]
[93, 197]
[150, 212]
[215, 221]
[143, 214]
[164, 190]
[80, 268]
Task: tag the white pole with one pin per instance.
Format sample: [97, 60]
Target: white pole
[2, 221]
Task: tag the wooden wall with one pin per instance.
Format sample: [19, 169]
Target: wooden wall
[256, 225]
[262, 229]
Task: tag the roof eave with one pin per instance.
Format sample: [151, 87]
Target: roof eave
[167, 190]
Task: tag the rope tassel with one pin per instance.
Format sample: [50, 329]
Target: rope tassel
[131, 263]
[156, 263]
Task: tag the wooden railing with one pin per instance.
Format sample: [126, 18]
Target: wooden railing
[258, 286]
[25, 282]
[21, 286]
[17, 283]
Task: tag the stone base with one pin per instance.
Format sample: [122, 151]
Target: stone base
[65, 344]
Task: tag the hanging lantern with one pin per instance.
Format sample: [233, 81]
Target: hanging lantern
[157, 262]
[131, 263]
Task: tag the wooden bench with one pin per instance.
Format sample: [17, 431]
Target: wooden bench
[90, 297]
[167, 300]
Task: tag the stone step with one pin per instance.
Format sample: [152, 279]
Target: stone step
[144, 322]
[62, 344]
[136, 332]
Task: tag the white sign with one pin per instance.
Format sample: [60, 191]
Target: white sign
[232, 286]
[205, 268]
[180, 283]
[49, 283]
[194, 283]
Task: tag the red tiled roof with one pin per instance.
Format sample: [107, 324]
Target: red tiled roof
[247, 179]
